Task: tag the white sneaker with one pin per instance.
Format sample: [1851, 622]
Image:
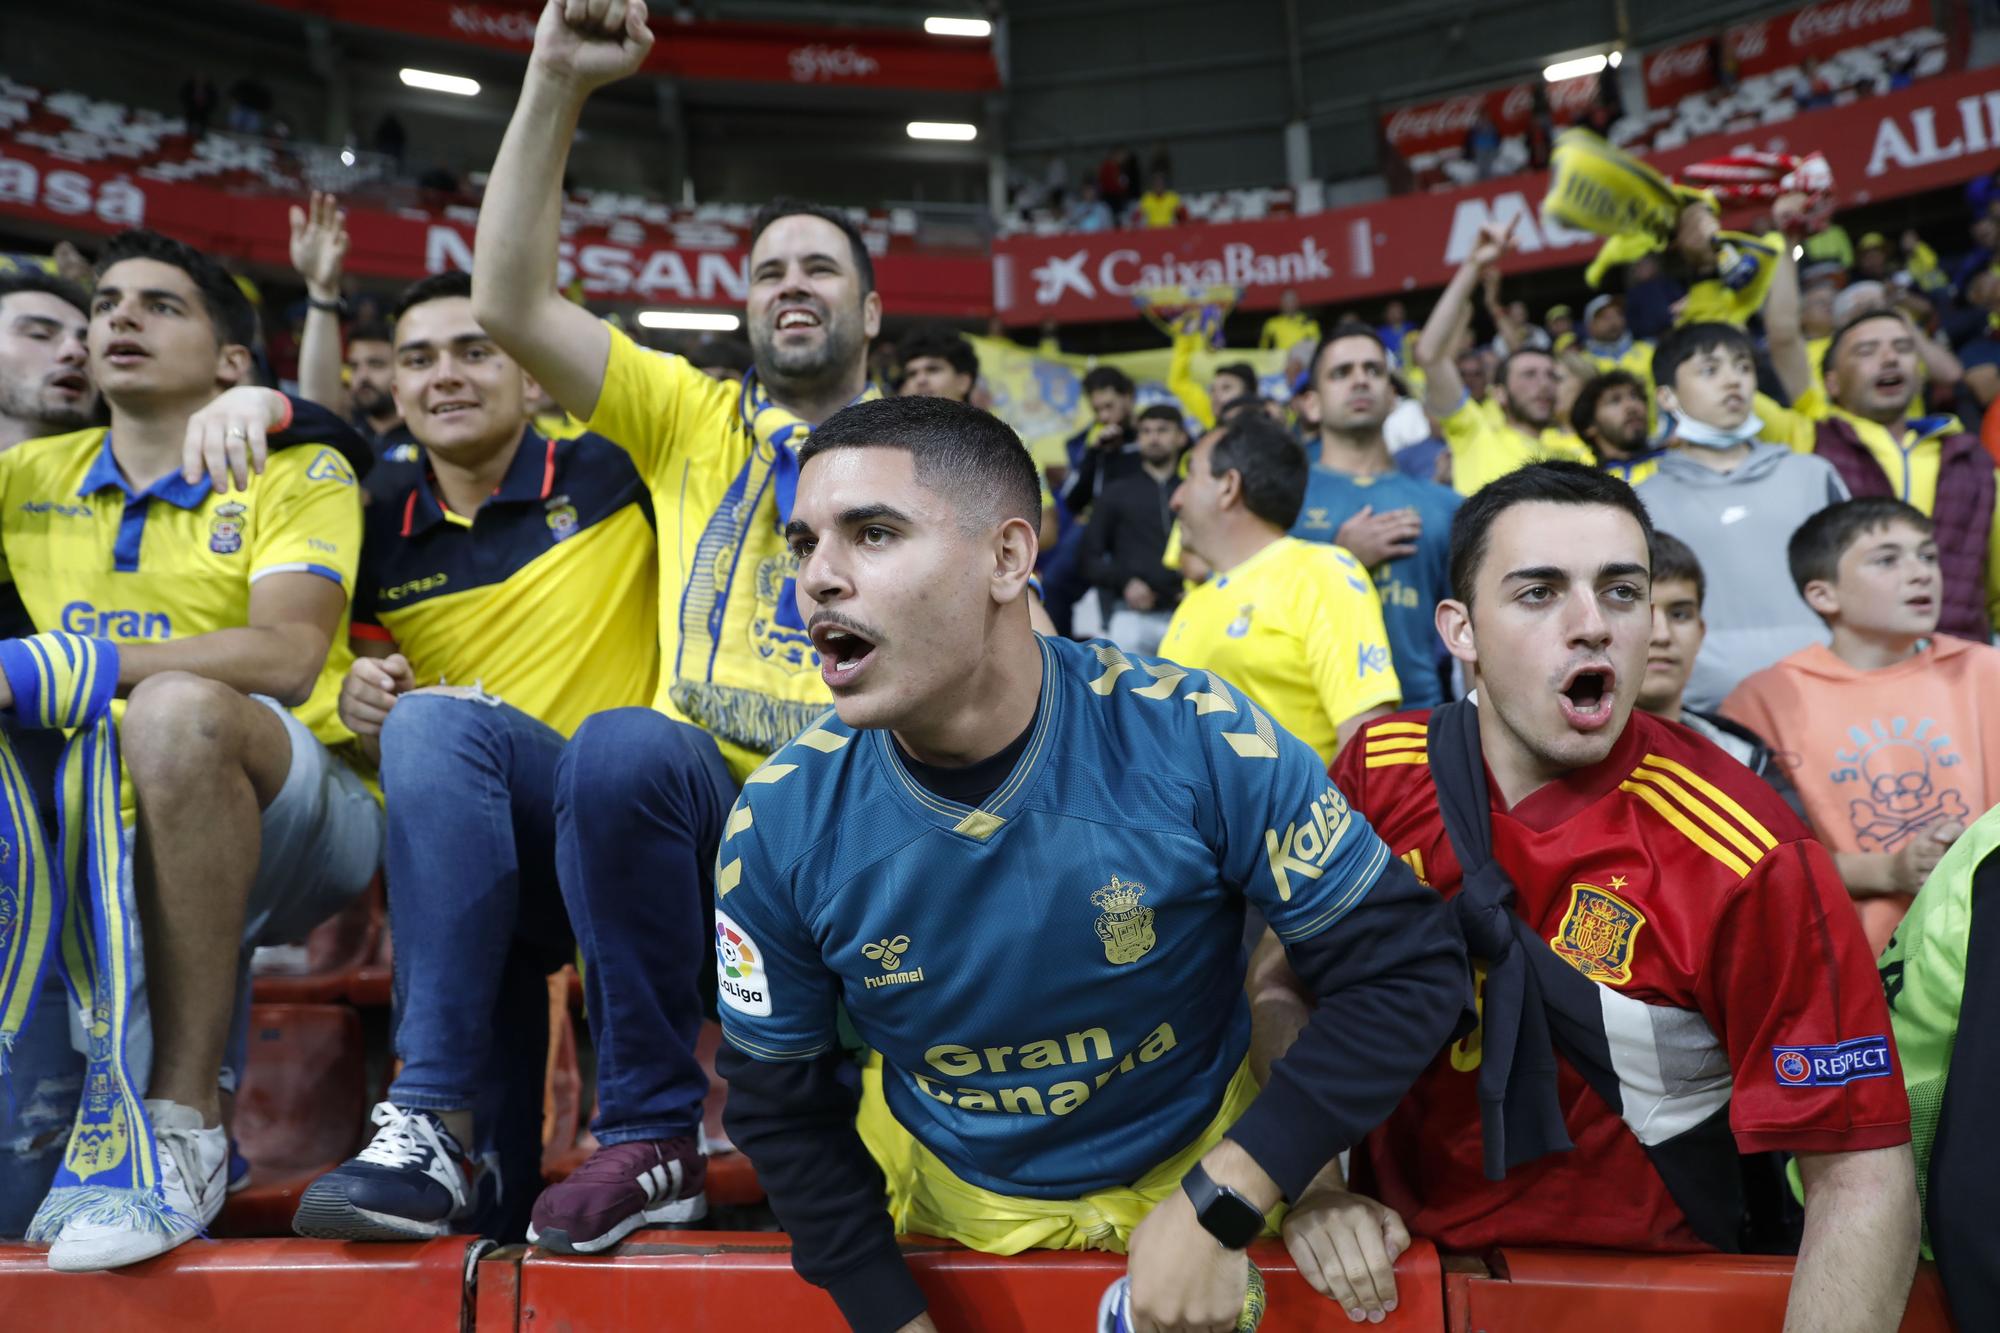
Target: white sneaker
[194, 1169]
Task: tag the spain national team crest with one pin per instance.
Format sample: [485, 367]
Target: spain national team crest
[1597, 933]
[225, 530]
[1125, 927]
[561, 517]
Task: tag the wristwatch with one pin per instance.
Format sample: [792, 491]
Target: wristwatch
[335, 306]
[1233, 1220]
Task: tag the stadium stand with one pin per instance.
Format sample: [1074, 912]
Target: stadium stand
[1143, 354]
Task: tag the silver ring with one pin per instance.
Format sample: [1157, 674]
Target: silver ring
[235, 433]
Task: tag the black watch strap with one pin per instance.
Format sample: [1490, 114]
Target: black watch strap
[1233, 1220]
[336, 306]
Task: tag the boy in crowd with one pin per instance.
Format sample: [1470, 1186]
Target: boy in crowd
[1733, 499]
[938, 363]
[1293, 624]
[1396, 525]
[1679, 587]
[1892, 729]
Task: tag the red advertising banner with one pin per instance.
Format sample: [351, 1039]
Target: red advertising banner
[1815, 32]
[1434, 126]
[702, 49]
[619, 261]
[1818, 31]
[1939, 132]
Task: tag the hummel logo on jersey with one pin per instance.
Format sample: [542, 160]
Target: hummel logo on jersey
[889, 953]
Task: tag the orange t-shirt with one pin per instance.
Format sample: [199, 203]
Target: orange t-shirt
[1877, 755]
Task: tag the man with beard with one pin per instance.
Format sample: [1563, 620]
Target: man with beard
[45, 384]
[1483, 448]
[641, 793]
[1610, 416]
[1398, 526]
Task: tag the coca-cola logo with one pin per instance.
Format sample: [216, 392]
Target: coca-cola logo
[1572, 95]
[1452, 116]
[506, 25]
[813, 63]
[1844, 18]
[1681, 62]
[1751, 41]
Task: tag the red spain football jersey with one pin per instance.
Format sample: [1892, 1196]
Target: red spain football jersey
[1672, 873]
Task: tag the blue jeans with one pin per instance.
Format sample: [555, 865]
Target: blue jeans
[38, 1106]
[640, 804]
[486, 805]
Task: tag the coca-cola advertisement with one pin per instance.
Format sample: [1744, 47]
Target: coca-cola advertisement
[1432, 126]
[1680, 71]
[1818, 31]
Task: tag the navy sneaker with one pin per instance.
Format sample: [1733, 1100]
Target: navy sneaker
[411, 1182]
[239, 1168]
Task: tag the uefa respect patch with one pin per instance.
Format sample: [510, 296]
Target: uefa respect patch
[1831, 1066]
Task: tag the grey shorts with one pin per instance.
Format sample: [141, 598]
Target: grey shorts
[322, 842]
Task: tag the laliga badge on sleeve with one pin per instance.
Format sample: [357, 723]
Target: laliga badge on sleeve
[739, 967]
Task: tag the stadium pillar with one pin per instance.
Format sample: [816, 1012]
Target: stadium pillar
[673, 130]
[1298, 138]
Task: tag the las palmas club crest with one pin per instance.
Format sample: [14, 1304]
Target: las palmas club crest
[1125, 927]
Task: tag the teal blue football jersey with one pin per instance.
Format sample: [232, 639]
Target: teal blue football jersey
[1054, 979]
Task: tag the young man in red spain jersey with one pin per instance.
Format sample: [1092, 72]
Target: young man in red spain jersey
[1641, 905]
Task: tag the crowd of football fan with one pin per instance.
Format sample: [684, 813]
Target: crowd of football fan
[493, 605]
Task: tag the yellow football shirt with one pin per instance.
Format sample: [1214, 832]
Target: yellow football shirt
[734, 656]
[1484, 448]
[546, 597]
[1298, 628]
[1160, 210]
[1285, 332]
[90, 556]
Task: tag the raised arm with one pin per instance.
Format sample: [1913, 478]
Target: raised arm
[1782, 331]
[580, 45]
[319, 253]
[1443, 389]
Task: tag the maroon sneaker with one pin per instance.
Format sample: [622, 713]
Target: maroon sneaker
[617, 1191]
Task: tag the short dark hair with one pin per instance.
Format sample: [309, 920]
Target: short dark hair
[786, 207]
[437, 287]
[1271, 463]
[1347, 328]
[1108, 377]
[1853, 322]
[370, 331]
[1243, 373]
[1816, 547]
[1166, 412]
[1673, 558]
[49, 284]
[941, 341]
[1237, 406]
[1558, 481]
[1583, 413]
[230, 313]
[957, 450]
[1689, 341]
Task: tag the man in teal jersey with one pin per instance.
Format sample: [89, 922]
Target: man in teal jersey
[1022, 866]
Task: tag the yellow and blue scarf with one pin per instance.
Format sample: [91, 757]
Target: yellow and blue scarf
[69, 911]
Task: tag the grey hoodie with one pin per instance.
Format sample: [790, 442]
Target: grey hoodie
[1737, 524]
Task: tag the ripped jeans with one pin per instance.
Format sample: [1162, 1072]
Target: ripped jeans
[38, 1106]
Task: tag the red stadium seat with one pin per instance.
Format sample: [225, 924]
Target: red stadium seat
[732, 1181]
[1553, 1291]
[716, 1280]
[334, 951]
[300, 1286]
[300, 1112]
